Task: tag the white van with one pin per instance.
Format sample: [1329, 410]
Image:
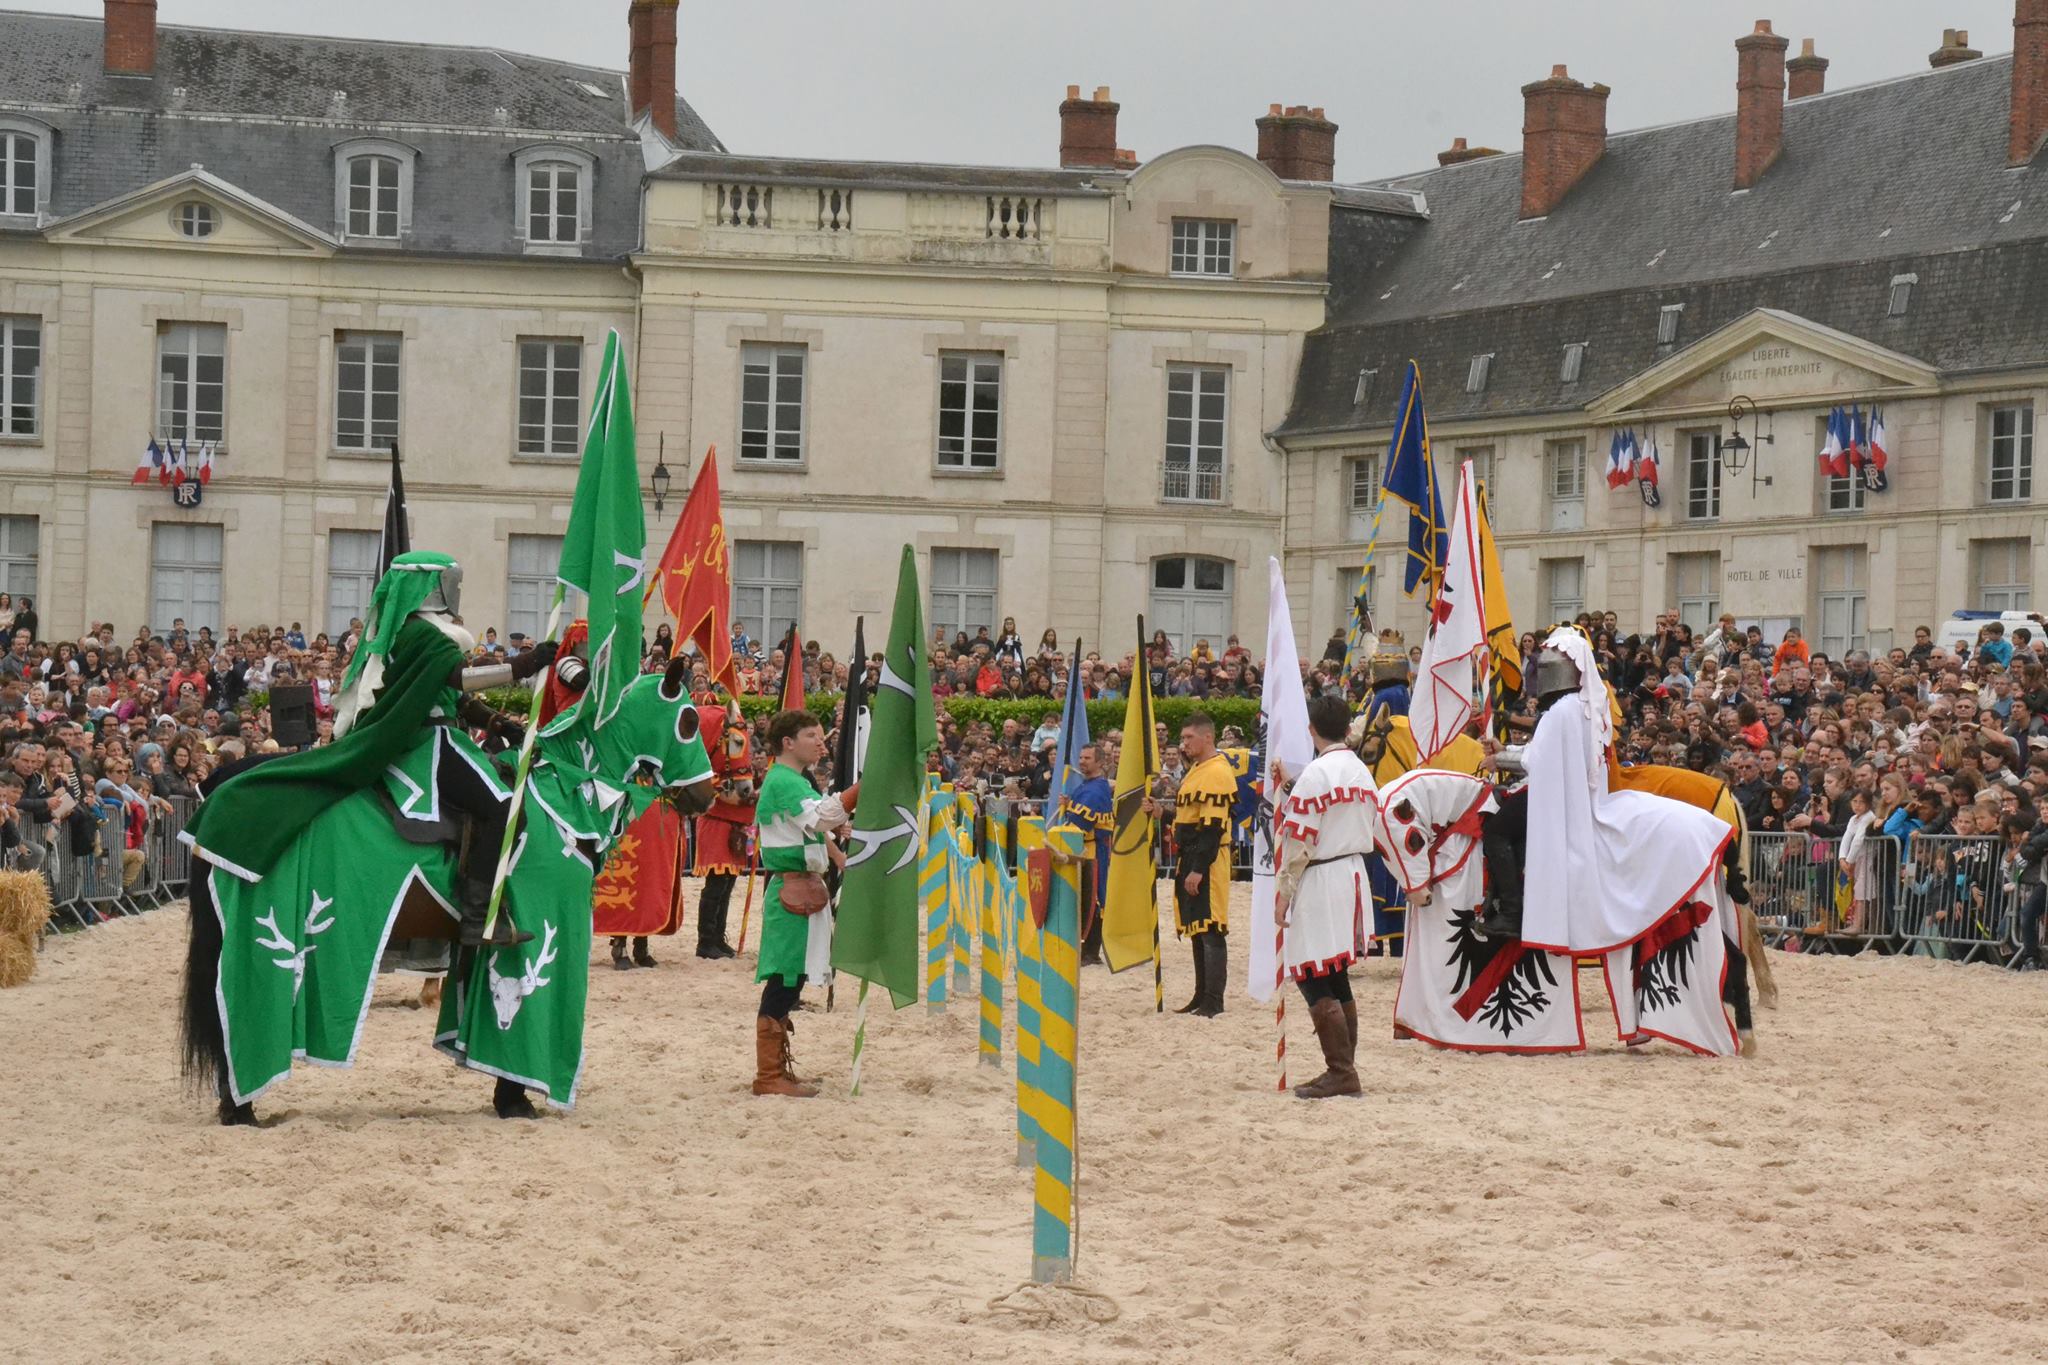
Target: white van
[1960, 630]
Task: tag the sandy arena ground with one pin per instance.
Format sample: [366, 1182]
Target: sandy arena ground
[1868, 1189]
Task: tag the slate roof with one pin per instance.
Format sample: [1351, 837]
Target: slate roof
[115, 134]
[1902, 176]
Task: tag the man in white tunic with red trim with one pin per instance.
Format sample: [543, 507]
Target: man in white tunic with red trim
[1323, 899]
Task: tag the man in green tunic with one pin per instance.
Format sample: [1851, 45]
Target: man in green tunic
[397, 723]
[796, 825]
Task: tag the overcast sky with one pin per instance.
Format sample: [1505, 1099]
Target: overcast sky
[952, 80]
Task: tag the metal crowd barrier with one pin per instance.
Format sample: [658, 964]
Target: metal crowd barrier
[1958, 898]
[1801, 891]
[110, 879]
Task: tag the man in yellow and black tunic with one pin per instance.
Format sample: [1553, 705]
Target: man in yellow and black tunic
[1201, 874]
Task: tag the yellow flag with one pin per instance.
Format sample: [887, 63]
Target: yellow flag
[1130, 908]
[1500, 627]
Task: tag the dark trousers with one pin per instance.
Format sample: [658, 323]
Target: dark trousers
[2031, 907]
[462, 788]
[779, 997]
[717, 894]
[1334, 985]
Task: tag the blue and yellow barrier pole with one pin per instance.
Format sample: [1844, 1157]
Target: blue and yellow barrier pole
[983, 879]
[1056, 1221]
[1031, 834]
[965, 923]
[933, 875]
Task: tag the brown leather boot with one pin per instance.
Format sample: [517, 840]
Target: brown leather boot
[1351, 1023]
[1341, 1076]
[789, 1053]
[771, 1049]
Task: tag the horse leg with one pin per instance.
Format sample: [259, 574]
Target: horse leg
[1758, 960]
[641, 957]
[620, 960]
[430, 993]
[509, 1098]
[202, 1041]
[1735, 992]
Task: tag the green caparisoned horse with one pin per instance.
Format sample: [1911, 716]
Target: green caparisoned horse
[281, 969]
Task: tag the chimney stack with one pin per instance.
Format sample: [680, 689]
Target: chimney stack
[1759, 102]
[651, 69]
[1088, 131]
[1298, 143]
[1458, 152]
[1955, 47]
[1805, 74]
[131, 37]
[1564, 131]
[2029, 80]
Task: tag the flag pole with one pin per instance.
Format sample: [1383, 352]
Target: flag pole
[860, 1037]
[524, 770]
[1158, 968]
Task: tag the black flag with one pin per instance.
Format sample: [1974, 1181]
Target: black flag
[846, 754]
[397, 538]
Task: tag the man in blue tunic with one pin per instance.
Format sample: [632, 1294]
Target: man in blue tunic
[1087, 805]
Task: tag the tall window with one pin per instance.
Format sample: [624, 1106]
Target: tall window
[185, 575]
[1567, 461]
[21, 375]
[2004, 575]
[18, 556]
[1191, 600]
[554, 192]
[366, 390]
[1702, 477]
[767, 586]
[963, 590]
[191, 389]
[1361, 494]
[351, 575]
[373, 198]
[2012, 453]
[772, 403]
[1204, 246]
[1696, 583]
[1482, 470]
[18, 173]
[1841, 573]
[1197, 407]
[1564, 580]
[530, 566]
[550, 396]
[970, 409]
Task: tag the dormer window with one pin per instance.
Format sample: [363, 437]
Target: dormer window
[1204, 246]
[552, 211]
[195, 220]
[24, 168]
[1901, 295]
[1477, 373]
[373, 189]
[1574, 362]
[1667, 323]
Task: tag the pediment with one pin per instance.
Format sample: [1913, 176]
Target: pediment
[1769, 356]
[149, 217]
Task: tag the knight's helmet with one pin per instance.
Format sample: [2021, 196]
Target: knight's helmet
[1554, 676]
[446, 594]
[1389, 658]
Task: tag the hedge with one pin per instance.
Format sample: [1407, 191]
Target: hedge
[1243, 712]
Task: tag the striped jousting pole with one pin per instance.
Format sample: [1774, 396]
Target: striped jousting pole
[960, 888]
[1030, 834]
[860, 1037]
[1056, 1218]
[991, 962]
[1280, 999]
[931, 887]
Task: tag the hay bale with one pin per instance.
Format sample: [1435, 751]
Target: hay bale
[24, 905]
[17, 961]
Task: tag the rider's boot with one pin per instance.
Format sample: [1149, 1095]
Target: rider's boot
[641, 957]
[719, 947]
[1503, 917]
[1201, 979]
[620, 962]
[473, 896]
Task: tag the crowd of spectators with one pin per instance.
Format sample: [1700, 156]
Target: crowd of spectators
[1918, 740]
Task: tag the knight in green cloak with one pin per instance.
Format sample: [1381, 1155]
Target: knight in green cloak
[408, 679]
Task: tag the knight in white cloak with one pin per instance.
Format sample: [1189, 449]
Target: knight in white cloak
[1601, 869]
[1322, 903]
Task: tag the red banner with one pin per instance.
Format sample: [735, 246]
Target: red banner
[695, 577]
[640, 889]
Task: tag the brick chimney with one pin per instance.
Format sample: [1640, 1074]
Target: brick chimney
[1805, 74]
[1458, 152]
[1564, 131]
[131, 37]
[1088, 130]
[1759, 102]
[651, 69]
[2029, 80]
[1955, 47]
[1298, 143]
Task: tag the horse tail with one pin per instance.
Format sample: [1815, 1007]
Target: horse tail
[202, 1043]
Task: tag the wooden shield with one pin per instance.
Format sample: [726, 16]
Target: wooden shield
[1038, 882]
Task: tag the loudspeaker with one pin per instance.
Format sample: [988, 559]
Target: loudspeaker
[291, 715]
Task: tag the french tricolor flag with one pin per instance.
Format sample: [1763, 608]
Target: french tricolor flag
[1618, 462]
[1880, 453]
[152, 459]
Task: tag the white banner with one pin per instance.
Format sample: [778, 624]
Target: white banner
[1283, 723]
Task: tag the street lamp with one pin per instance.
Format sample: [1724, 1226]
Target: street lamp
[1735, 451]
[659, 480]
